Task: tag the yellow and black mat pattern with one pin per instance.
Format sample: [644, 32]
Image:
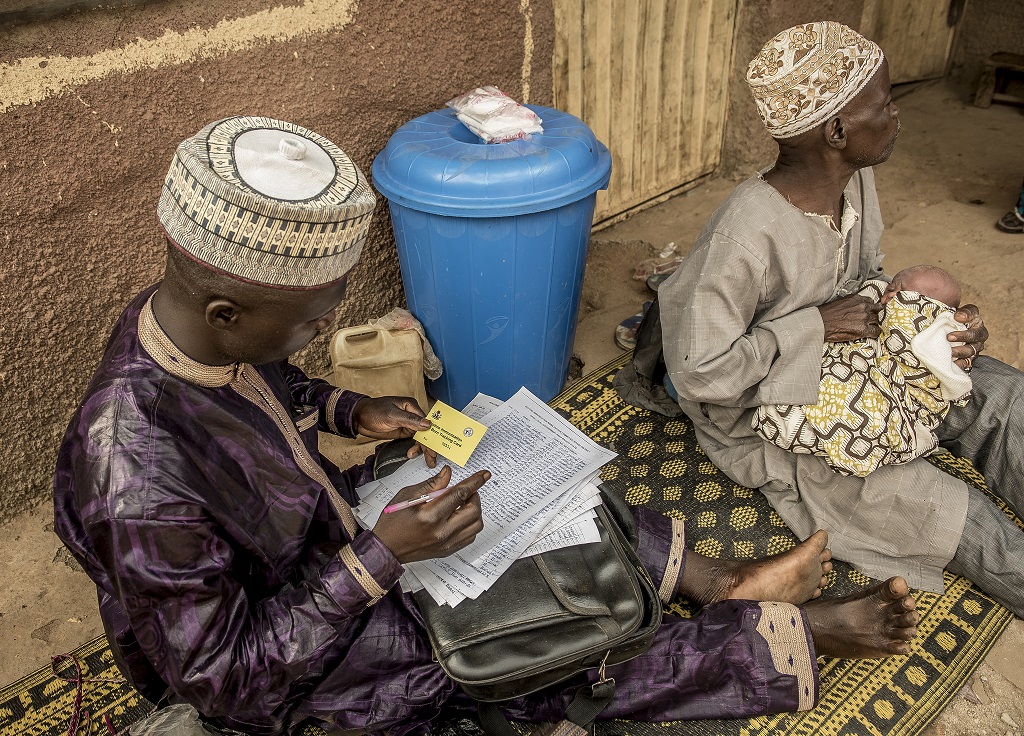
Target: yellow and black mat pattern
[42, 704]
[661, 466]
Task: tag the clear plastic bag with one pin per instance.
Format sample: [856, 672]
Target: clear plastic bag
[403, 319]
[494, 116]
[176, 720]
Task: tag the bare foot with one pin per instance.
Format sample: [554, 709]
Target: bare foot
[794, 576]
[877, 622]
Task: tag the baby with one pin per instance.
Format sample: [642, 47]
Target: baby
[880, 399]
[929, 281]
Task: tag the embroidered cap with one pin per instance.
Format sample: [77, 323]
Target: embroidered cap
[808, 73]
[267, 202]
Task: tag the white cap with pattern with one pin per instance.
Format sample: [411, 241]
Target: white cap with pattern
[267, 202]
[808, 73]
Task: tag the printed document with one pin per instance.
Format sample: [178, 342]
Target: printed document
[542, 492]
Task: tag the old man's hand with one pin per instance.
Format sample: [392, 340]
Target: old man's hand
[437, 528]
[973, 336]
[851, 317]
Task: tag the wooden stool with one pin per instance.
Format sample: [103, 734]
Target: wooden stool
[995, 67]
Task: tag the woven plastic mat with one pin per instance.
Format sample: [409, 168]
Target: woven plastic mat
[661, 466]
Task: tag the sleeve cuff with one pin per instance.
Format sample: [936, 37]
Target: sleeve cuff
[370, 571]
[800, 330]
[676, 560]
[788, 638]
[796, 372]
[662, 549]
[339, 412]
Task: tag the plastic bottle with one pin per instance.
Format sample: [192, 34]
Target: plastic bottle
[379, 362]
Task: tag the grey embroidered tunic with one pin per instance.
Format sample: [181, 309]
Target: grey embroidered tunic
[741, 329]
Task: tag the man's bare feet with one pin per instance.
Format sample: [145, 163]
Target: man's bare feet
[794, 576]
[877, 622]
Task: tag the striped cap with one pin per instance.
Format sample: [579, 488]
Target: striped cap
[267, 202]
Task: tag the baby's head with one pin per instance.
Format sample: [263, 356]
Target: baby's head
[930, 281]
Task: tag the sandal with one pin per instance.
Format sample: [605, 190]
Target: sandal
[625, 333]
[1011, 222]
[655, 281]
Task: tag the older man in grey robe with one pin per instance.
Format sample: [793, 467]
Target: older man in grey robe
[772, 278]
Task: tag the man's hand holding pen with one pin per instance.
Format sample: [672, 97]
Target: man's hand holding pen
[434, 520]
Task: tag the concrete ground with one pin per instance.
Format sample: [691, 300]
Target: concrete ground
[955, 171]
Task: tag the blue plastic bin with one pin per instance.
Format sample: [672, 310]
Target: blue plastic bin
[492, 241]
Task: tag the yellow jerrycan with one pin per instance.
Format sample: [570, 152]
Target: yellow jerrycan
[379, 362]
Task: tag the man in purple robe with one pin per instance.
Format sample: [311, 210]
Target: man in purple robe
[230, 570]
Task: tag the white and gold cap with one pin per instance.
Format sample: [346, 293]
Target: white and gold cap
[808, 73]
[267, 202]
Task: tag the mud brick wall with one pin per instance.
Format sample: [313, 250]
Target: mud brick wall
[93, 103]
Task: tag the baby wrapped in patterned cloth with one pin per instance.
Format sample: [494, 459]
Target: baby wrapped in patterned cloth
[880, 399]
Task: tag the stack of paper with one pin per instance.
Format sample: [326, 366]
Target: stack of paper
[540, 497]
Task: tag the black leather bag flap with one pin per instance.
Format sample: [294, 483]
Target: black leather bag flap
[546, 618]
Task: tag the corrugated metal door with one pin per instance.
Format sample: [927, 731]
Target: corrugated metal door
[650, 77]
[916, 35]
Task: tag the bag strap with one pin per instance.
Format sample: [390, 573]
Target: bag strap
[493, 721]
[588, 703]
[586, 706]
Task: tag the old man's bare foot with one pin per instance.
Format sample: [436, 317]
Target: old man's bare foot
[877, 622]
[794, 576]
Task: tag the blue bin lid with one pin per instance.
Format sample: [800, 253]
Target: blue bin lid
[436, 164]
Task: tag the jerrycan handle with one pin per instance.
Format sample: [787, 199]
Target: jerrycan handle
[359, 344]
[364, 336]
